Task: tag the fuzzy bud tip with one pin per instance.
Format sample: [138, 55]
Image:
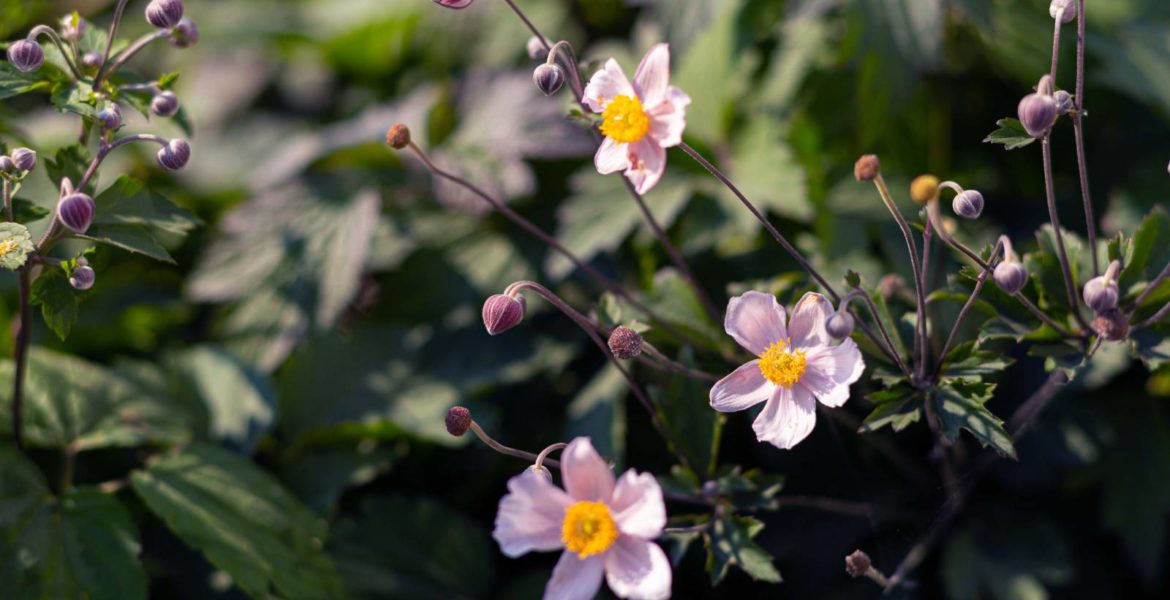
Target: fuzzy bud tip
[858, 564]
[968, 204]
[174, 155]
[1101, 294]
[1111, 325]
[1037, 114]
[458, 421]
[82, 278]
[1010, 276]
[24, 159]
[164, 104]
[867, 168]
[839, 325]
[924, 188]
[26, 55]
[164, 14]
[76, 211]
[625, 343]
[398, 136]
[502, 312]
[548, 78]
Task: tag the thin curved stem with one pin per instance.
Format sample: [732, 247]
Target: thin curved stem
[889, 342]
[134, 48]
[1058, 234]
[1079, 134]
[65, 53]
[20, 357]
[967, 308]
[508, 451]
[101, 73]
[915, 266]
[1162, 312]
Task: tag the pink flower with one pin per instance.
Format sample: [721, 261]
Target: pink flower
[797, 366]
[640, 120]
[454, 3]
[604, 527]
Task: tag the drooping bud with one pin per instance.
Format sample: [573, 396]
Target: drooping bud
[548, 78]
[111, 117]
[82, 277]
[25, 159]
[72, 27]
[458, 421]
[502, 312]
[26, 55]
[1011, 276]
[858, 564]
[91, 60]
[1038, 111]
[924, 188]
[839, 325]
[867, 168]
[1111, 325]
[75, 211]
[891, 285]
[625, 343]
[535, 48]
[456, 4]
[968, 204]
[15, 245]
[398, 136]
[164, 14]
[6, 164]
[1064, 10]
[164, 104]
[185, 34]
[1101, 293]
[174, 155]
[1064, 102]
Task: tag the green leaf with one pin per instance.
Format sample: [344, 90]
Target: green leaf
[968, 360]
[716, 49]
[70, 161]
[242, 520]
[729, 542]
[768, 174]
[1011, 134]
[598, 412]
[132, 238]
[751, 490]
[59, 301]
[82, 545]
[412, 549]
[686, 410]
[76, 97]
[1150, 254]
[674, 300]
[1152, 346]
[14, 82]
[27, 211]
[128, 202]
[897, 408]
[240, 401]
[959, 404]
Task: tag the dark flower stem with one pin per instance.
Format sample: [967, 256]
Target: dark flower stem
[135, 48]
[920, 350]
[967, 307]
[65, 53]
[888, 347]
[507, 451]
[1058, 234]
[1079, 133]
[23, 334]
[102, 72]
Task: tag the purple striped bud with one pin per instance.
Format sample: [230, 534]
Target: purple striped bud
[1064, 102]
[968, 204]
[1010, 275]
[25, 159]
[185, 34]
[1101, 293]
[82, 277]
[164, 14]
[625, 343]
[174, 155]
[839, 325]
[456, 4]
[1037, 113]
[91, 60]
[501, 313]
[548, 78]
[26, 55]
[111, 117]
[75, 211]
[6, 164]
[535, 48]
[164, 104]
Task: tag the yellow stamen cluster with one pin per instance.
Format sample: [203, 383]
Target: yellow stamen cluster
[624, 120]
[588, 528]
[782, 366]
[7, 246]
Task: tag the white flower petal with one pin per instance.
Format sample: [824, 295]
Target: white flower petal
[585, 474]
[668, 118]
[755, 320]
[807, 327]
[787, 418]
[744, 388]
[605, 85]
[530, 515]
[575, 578]
[832, 369]
[637, 505]
[638, 569]
[647, 163]
[653, 75]
[611, 157]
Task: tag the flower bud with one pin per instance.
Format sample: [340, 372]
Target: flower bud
[456, 4]
[924, 188]
[75, 211]
[72, 27]
[1010, 275]
[501, 313]
[858, 564]
[164, 14]
[1037, 113]
[25, 159]
[1111, 325]
[164, 104]
[26, 55]
[398, 136]
[548, 78]
[185, 34]
[891, 285]
[625, 342]
[1064, 10]
[111, 117]
[6, 164]
[1064, 102]
[82, 277]
[968, 204]
[1101, 293]
[458, 421]
[174, 155]
[867, 168]
[542, 471]
[536, 49]
[839, 325]
[91, 60]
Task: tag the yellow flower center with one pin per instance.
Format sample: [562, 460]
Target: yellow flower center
[624, 120]
[7, 246]
[588, 528]
[782, 366]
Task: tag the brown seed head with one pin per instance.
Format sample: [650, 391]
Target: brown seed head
[867, 167]
[398, 136]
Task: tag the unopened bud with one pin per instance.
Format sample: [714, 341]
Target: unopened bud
[891, 285]
[1064, 102]
[867, 168]
[164, 104]
[542, 471]
[164, 14]
[458, 421]
[25, 159]
[924, 188]
[536, 49]
[839, 325]
[111, 117]
[1011, 276]
[625, 343]
[968, 204]
[858, 564]
[82, 277]
[1037, 113]
[1064, 10]
[548, 78]
[456, 4]
[26, 55]
[72, 27]
[1112, 325]
[1101, 293]
[501, 313]
[91, 60]
[75, 211]
[398, 136]
[6, 164]
[174, 155]
[185, 34]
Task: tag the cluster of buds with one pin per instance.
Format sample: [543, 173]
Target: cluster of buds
[22, 161]
[1038, 111]
[1103, 295]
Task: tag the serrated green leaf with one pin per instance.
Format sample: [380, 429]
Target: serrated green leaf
[70, 161]
[242, 520]
[1011, 134]
[729, 542]
[26, 211]
[896, 407]
[959, 404]
[14, 82]
[750, 490]
[58, 300]
[131, 238]
[969, 360]
[128, 202]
